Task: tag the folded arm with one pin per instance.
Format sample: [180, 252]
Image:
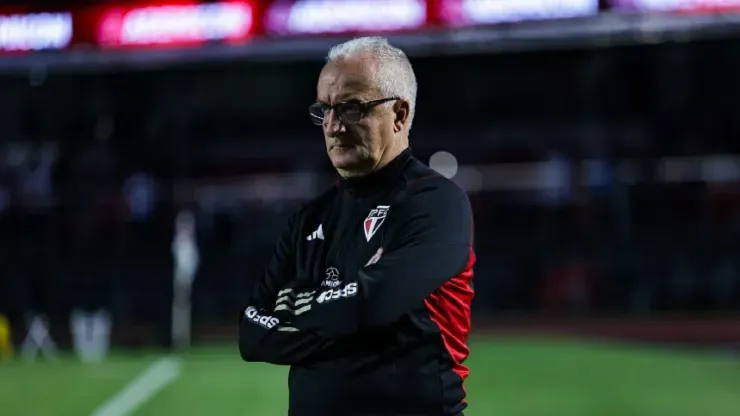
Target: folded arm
[431, 242]
[263, 335]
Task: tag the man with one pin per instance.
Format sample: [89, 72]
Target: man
[368, 295]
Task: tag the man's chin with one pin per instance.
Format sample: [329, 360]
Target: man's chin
[342, 157]
[345, 163]
[347, 160]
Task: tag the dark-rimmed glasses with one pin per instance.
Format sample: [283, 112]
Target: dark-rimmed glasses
[348, 112]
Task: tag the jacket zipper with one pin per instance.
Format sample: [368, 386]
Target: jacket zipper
[347, 239]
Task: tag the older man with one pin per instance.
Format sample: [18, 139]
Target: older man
[368, 294]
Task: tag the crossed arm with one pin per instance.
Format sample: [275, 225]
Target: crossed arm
[430, 244]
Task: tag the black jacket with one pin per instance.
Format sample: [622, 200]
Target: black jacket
[368, 297]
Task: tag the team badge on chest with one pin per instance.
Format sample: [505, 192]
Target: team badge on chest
[374, 220]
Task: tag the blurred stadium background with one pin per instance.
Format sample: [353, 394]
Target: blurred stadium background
[599, 142]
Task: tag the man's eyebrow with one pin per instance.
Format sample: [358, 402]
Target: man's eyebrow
[350, 98]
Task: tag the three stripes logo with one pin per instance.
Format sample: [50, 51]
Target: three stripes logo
[317, 235]
[294, 303]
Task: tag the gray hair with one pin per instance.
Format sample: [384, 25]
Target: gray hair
[394, 76]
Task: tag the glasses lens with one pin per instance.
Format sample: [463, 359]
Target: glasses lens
[316, 113]
[349, 113]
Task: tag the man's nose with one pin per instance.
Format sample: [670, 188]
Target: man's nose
[332, 124]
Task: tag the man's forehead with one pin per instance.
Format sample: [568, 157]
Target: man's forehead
[345, 77]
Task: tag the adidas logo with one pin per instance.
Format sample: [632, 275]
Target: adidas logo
[294, 303]
[317, 235]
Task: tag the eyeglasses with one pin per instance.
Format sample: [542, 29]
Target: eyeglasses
[348, 112]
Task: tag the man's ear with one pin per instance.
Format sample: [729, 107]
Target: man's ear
[402, 109]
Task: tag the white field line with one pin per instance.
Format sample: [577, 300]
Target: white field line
[141, 389]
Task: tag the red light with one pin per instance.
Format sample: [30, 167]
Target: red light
[177, 24]
[344, 16]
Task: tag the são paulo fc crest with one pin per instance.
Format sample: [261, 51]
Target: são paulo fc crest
[374, 220]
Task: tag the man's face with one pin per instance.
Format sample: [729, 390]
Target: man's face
[355, 149]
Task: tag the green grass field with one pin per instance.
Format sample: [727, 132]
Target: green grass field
[508, 377]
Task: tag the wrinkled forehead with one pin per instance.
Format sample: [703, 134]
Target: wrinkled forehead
[345, 79]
